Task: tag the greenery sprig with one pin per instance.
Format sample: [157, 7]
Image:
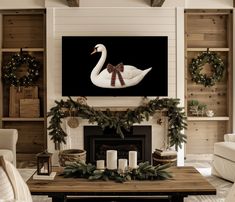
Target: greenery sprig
[119, 120]
[16, 61]
[145, 171]
[217, 68]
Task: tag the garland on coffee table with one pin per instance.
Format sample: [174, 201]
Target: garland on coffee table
[217, 68]
[145, 171]
[16, 61]
[119, 120]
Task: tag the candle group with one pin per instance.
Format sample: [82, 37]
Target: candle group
[111, 161]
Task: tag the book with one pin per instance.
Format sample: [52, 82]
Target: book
[44, 177]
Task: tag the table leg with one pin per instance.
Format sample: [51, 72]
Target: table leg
[58, 197]
[177, 198]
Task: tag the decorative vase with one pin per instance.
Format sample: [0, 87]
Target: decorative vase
[69, 156]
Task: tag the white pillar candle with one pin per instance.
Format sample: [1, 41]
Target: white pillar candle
[100, 165]
[122, 164]
[132, 159]
[111, 159]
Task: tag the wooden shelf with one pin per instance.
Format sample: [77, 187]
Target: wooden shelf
[210, 49]
[23, 49]
[22, 119]
[214, 118]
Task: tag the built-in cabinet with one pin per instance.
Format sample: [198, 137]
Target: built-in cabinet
[208, 30]
[23, 31]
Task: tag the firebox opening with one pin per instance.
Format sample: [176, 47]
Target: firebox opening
[97, 141]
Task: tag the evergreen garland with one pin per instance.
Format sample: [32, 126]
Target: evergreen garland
[217, 68]
[119, 120]
[9, 70]
[145, 171]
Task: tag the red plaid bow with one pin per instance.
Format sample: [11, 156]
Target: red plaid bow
[116, 70]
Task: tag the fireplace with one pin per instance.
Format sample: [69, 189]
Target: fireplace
[97, 141]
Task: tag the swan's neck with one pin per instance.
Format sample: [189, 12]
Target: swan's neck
[95, 72]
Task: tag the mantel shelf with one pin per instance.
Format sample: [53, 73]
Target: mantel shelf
[121, 108]
[214, 118]
[23, 49]
[210, 49]
[22, 119]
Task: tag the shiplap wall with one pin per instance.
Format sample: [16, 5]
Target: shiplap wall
[107, 22]
[113, 22]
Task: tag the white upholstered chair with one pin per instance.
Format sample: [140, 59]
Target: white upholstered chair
[231, 195]
[224, 158]
[8, 140]
[12, 186]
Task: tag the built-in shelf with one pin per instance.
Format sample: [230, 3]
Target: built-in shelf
[23, 49]
[210, 49]
[22, 119]
[214, 118]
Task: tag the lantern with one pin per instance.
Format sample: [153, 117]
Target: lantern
[44, 166]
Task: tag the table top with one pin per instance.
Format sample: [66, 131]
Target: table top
[185, 180]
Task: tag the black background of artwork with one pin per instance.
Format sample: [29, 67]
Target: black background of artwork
[142, 52]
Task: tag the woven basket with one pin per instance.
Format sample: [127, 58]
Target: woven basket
[69, 156]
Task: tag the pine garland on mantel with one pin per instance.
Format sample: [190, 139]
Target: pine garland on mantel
[119, 120]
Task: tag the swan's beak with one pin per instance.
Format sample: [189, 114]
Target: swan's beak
[94, 51]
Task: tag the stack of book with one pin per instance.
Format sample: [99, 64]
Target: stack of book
[164, 156]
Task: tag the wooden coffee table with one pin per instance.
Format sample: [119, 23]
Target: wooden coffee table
[186, 181]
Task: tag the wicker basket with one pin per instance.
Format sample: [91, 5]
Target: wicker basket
[157, 159]
[66, 157]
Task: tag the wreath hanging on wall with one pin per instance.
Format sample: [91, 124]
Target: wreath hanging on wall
[16, 61]
[217, 68]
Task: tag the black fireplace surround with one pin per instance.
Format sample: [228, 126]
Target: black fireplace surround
[97, 141]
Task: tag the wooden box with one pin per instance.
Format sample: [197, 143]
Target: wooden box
[16, 94]
[29, 108]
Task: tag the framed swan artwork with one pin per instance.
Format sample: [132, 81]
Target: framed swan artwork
[114, 65]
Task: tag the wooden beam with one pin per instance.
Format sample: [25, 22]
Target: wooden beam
[73, 3]
[158, 3]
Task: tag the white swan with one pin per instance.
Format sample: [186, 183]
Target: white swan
[130, 74]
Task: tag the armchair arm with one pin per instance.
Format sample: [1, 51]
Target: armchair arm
[229, 137]
[8, 140]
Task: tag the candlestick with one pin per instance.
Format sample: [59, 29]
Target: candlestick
[122, 164]
[111, 159]
[132, 159]
[100, 165]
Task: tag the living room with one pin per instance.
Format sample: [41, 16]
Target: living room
[56, 38]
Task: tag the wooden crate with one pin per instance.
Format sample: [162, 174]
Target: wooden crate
[29, 108]
[20, 93]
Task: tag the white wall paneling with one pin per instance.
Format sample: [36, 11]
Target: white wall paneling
[204, 4]
[180, 68]
[108, 21]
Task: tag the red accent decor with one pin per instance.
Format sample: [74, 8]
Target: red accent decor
[116, 70]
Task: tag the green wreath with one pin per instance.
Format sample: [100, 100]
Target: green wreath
[9, 70]
[217, 68]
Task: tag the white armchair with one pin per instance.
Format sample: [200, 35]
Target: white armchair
[12, 186]
[8, 140]
[224, 158]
